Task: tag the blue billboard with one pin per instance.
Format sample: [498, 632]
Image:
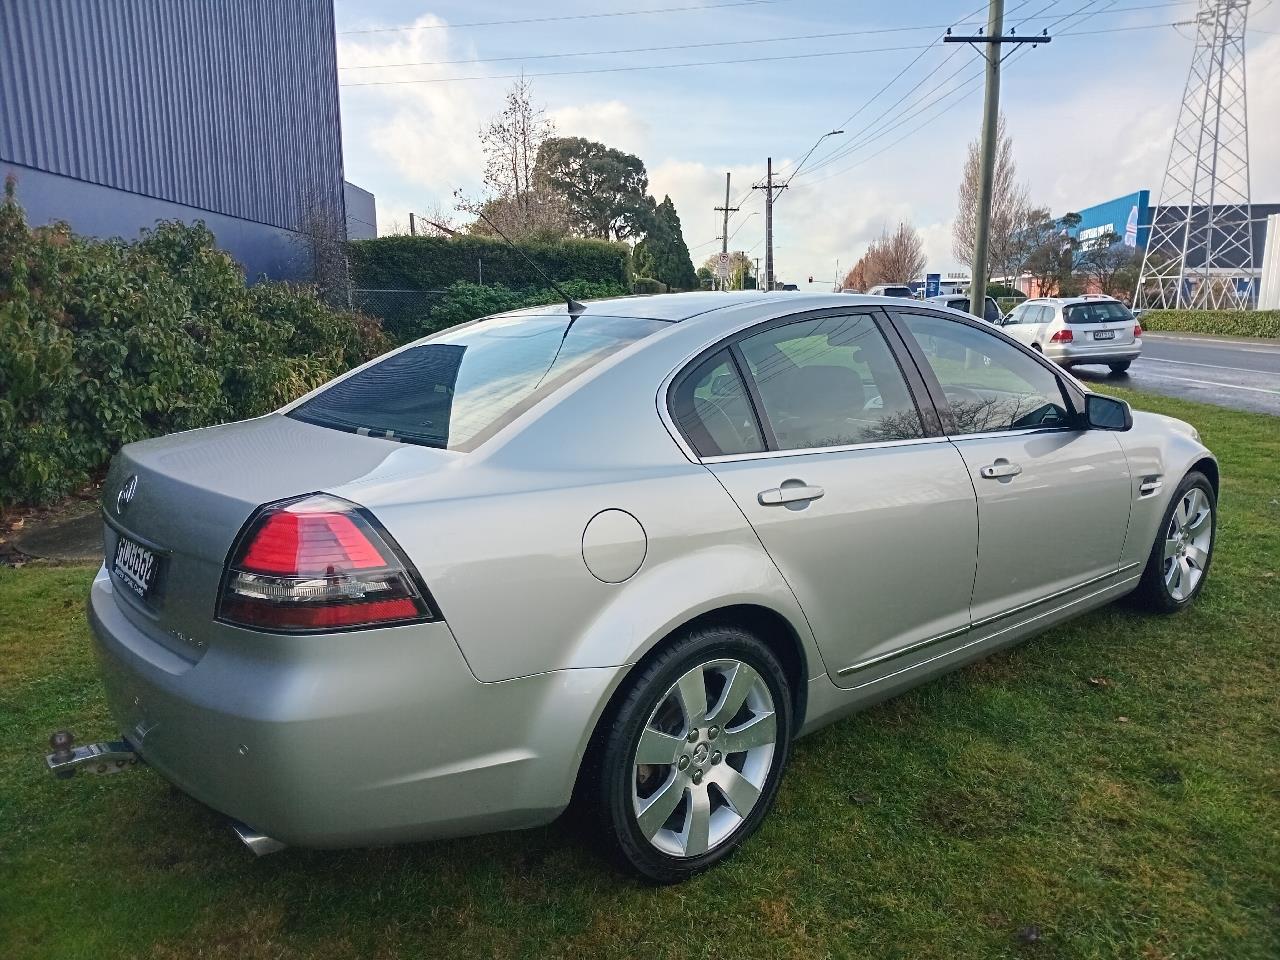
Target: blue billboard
[1129, 217]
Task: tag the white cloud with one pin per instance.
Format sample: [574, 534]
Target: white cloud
[610, 122]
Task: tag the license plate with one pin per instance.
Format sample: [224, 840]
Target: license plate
[1104, 334]
[135, 565]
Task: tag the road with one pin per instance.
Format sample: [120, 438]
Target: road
[1240, 374]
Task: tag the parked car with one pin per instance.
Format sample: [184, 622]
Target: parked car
[891, 290]
[1076, 330]
[990, 311]
[632, 553]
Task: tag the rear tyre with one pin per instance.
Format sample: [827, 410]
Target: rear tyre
[690, 762]
[1119, 368]
[1178, 564]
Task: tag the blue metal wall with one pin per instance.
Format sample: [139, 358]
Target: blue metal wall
[225, 106]
[1129, 216]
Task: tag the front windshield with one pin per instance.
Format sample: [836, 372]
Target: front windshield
[460, 387]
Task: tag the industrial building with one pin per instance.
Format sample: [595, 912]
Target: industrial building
[116, 115]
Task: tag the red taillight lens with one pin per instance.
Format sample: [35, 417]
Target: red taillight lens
[318, 563]
[1062, 336]
[1137, 329]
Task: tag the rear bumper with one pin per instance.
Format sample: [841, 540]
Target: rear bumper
[350, 739]
[1068, 353]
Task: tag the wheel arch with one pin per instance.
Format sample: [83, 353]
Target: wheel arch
[772, 627]
[1209, 467]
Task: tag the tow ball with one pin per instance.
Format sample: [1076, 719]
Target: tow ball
[111, 756]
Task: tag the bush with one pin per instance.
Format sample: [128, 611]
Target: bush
[106, 342]
[434, 263]
[647, 285]
[1235, 323]
[463, 302]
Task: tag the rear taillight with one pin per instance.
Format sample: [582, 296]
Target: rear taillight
[1137, 329]
[1062, 336]
[318, 563]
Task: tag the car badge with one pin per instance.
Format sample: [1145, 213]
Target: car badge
[128, 490]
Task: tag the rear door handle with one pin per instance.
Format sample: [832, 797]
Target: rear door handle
[791, 491]
[1000, 469]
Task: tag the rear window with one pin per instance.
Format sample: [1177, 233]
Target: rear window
[897, 292]
[461, 387]
[1105, 311]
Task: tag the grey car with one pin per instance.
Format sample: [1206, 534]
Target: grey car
[628, 555]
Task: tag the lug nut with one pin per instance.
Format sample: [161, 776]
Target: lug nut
[715, 757]
[697, 776]
[693, 735]
[713, 733]
[683, 763]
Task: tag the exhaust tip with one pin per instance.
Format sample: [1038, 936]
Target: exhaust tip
[259, 843]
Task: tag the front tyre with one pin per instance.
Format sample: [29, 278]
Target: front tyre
[691, 763]
[1178, 564]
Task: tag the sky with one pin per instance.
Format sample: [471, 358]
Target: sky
[1090, 115]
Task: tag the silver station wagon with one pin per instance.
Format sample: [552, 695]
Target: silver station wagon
[626, 553]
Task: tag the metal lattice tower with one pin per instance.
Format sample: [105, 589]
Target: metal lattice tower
[1200, 249]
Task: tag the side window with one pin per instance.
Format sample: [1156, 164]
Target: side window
[830, 381]
[1017, 314]
[990, 384]
[1043, 315]
[711, 408]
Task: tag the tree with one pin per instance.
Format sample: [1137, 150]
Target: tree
[1011, 212]
[740, 269]
[896, 257]
[605, 191]
[511, 142]
[663, 254]
[1107, 264]
[1051, 262]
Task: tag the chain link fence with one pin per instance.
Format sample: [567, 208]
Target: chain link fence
[403, 312]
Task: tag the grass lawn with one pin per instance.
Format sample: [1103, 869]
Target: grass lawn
[1110, 789]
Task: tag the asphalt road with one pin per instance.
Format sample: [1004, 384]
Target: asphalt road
[1240, 374]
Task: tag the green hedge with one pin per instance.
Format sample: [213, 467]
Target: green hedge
[433, 263]
[1235, 323]
[463, 302]
[106, 342]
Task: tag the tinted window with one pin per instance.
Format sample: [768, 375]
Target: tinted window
[711, 409]
[830, 381]
[991, 311]
[462, 386]
[990, 384]
[1104, 311]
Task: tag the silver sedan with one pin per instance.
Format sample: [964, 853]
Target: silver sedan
[628, 555]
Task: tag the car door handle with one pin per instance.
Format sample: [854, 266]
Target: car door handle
[791, 491]
[1000, 469]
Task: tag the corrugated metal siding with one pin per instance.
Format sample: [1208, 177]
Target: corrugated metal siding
[226, 105]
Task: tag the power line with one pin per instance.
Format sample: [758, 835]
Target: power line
[573, 16]
[716, 43]
[648, 66]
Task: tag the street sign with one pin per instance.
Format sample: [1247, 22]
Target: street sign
[722, 267]
[932, 284]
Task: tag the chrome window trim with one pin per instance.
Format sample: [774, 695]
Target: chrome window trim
[843, 448]
[985, 621]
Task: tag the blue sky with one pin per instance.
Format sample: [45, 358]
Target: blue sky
[1091, 115]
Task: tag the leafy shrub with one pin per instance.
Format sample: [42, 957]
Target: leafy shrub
[106, 342]
[647, 285]
[463, 302]
[1237, 323]
[434, 263]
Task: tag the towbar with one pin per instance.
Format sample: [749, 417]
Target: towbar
[112, 756]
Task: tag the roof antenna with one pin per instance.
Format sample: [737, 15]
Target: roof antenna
[575, 308]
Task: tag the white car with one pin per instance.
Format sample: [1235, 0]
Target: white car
[960, 301]
[1075, 330]
[891, 290]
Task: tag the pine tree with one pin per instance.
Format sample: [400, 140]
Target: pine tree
[663, 254]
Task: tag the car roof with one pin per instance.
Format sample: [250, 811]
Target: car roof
[677, 307]
[1062, 301]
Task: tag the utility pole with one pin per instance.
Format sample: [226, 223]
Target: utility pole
[413, 226]
[724, 230]
[757, 259]
[992, 40]
[769, 188]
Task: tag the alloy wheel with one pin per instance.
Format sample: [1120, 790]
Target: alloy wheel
[703, 757]
[1186, 544]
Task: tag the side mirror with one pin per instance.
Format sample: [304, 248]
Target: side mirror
[1107, 413]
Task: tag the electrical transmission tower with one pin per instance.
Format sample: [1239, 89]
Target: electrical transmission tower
[1200, 249]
